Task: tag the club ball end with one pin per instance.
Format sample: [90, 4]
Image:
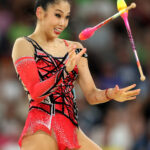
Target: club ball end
[81, 37]
[143, 78]
[133, 5]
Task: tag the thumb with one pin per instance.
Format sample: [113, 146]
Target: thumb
[116, 88]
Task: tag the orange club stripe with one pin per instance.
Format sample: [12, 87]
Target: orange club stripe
[138, 63]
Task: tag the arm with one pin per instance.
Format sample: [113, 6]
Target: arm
[97, 96]
[92, 94]
[27, 70]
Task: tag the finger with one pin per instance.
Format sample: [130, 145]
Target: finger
[133, 93]
[82, 52]
[71, 47]
[129, 87]
[70, 63]
[131, 98]
[71, 54]
[116, 88]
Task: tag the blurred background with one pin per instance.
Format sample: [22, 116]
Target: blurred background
[113, 126]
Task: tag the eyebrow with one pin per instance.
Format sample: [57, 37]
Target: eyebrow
[61, 11]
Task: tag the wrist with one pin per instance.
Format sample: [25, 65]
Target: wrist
[107, 94]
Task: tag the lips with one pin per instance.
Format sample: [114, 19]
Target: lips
[57, 31]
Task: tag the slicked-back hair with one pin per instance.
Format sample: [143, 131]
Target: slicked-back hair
[45, 3]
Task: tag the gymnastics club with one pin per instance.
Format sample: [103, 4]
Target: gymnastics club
[88, 32]
[121, 5]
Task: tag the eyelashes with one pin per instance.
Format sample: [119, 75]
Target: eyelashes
[68, 17]
[59, 16]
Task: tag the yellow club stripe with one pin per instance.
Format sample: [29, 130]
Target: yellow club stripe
[121, 5]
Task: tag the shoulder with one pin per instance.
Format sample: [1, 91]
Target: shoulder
[21, 42]
[21, 48]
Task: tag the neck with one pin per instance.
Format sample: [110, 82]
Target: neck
[41, 35]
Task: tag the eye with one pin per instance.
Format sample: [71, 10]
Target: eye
[68, 17]
[58, 15]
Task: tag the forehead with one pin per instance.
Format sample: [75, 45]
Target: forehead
[62, 6]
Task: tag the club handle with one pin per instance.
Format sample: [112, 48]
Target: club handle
[133, 5]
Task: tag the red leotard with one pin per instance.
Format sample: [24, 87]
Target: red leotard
[51, 95]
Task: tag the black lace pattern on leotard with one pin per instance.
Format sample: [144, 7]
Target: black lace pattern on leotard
[63, 97]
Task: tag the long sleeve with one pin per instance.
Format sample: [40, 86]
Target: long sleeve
[28, 72]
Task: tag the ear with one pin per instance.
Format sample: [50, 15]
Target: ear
[40, 13]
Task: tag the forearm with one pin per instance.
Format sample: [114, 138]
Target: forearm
[120, 95]
[46, 87]
[98, 96]
[27, 70]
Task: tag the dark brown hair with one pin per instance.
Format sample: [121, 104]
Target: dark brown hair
[45, 3]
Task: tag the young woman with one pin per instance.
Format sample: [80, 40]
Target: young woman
[48, 67]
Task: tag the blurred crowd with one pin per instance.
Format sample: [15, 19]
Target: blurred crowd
[113, 125]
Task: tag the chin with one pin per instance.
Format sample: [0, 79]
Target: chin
[53, 36]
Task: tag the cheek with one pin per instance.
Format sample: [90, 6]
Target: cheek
[51, 20]
[66, 23]
[51, 23]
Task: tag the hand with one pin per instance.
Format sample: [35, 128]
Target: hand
[73, 58]
[123, 94]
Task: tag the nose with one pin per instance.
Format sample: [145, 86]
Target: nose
[62, 22]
